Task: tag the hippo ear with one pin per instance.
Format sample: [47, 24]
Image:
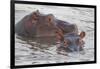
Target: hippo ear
[36, 12]
[50, 18]
[82, 34]
[35, 16]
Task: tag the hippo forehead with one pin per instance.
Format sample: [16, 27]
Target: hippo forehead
[71, 37]
[38, 14]
[46, 19]
[44, 16]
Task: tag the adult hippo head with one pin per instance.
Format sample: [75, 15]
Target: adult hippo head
[72, 42]
[36, 24]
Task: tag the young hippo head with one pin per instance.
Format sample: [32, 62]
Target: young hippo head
[73, 42]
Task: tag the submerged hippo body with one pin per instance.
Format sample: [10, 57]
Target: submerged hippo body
[39, 25]
[44, 26]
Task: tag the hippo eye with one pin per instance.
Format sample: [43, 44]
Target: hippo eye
[66, 42]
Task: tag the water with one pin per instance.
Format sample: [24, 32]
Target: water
[31, 52]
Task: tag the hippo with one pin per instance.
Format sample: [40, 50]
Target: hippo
[72, 42]
[50, 29]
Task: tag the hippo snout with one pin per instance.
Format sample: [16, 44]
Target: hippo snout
[71, 48]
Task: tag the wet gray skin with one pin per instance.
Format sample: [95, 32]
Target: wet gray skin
[73, 43]
[40, 26]
[43, 27]
[36, 25]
